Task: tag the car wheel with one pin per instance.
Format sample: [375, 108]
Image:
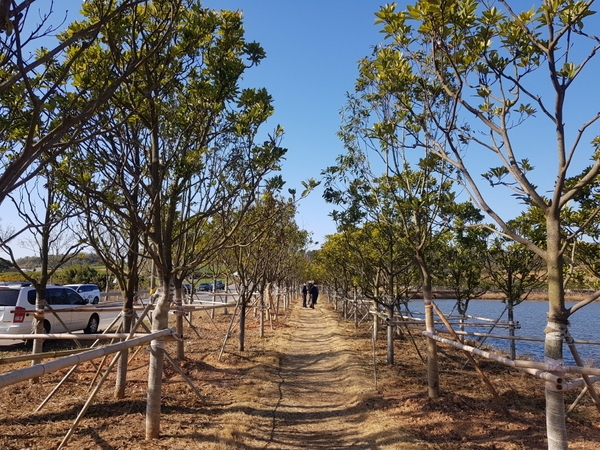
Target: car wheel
[93, 324]
[96, 300]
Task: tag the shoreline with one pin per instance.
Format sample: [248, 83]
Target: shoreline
[538, 296]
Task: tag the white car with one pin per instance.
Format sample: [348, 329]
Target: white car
[91, 292]
[17, 303]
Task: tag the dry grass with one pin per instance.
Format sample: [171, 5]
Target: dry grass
[308, 384]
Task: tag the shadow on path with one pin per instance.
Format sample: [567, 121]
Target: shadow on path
[326, 398]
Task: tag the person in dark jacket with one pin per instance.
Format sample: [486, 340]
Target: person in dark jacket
[304, 293]
[314, 293]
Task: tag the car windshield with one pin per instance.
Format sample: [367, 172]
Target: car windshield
[8, 297]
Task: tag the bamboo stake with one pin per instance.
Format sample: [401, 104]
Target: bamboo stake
[138, 323]
[373, 340]
[577, 358]
[192, 326]
[65, 336]
[495, 323]
[412, 339]
[579, 382]
[539, 369]
[89, 401]
[235, 311]
[44, 355]
[119, 328]
[60, 383]
[68, 374]
[472, 360]
[182, 373]
[577, 400]
[135, 353]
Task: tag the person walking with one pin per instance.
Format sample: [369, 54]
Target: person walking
[304, 293]
[314, 293]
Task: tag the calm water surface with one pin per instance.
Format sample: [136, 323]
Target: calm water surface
[584, 325]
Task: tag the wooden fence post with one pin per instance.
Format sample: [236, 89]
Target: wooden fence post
[433, 376]
[355, 308]
[375, 325]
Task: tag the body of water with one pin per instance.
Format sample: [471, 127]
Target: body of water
[532, 315]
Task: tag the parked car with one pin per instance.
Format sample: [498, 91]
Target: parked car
[208, 287]
[91, 292]
[17, 303]
[205, 287]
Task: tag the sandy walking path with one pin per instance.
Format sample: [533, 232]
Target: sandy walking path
[321, 393]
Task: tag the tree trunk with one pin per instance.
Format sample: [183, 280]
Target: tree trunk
[242, 326]
[38, 327]
[179, 323]
[511, 330]
[160, 321]
[433, 376]
[556, 428]
[261, 315]
[390, 335]
[355, 308]
[375, 326]
[121, 381]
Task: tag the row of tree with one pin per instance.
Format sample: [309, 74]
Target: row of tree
[129, 132]
[444, 98]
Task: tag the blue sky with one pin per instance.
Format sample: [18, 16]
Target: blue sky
[312, 48]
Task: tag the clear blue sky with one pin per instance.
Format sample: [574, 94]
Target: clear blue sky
[312, 51]
[312, 47]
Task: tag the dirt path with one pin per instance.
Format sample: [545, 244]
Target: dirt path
[319, 395]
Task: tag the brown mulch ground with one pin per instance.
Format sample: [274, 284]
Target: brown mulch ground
[309, 384]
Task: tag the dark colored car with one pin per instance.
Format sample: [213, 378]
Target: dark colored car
[208, 287]
[205, 287]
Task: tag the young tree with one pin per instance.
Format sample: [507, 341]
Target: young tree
[48, 218]
[185, 136]
[333, 263]
[470, 73]
[463, 258]
[41, 111]
[117, 242]
[416, 197]
[515, 271]
[268, 237]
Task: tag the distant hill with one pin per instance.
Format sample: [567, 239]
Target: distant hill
[31, 262]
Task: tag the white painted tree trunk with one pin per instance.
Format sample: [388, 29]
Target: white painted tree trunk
[556, 428]
[160, 321]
